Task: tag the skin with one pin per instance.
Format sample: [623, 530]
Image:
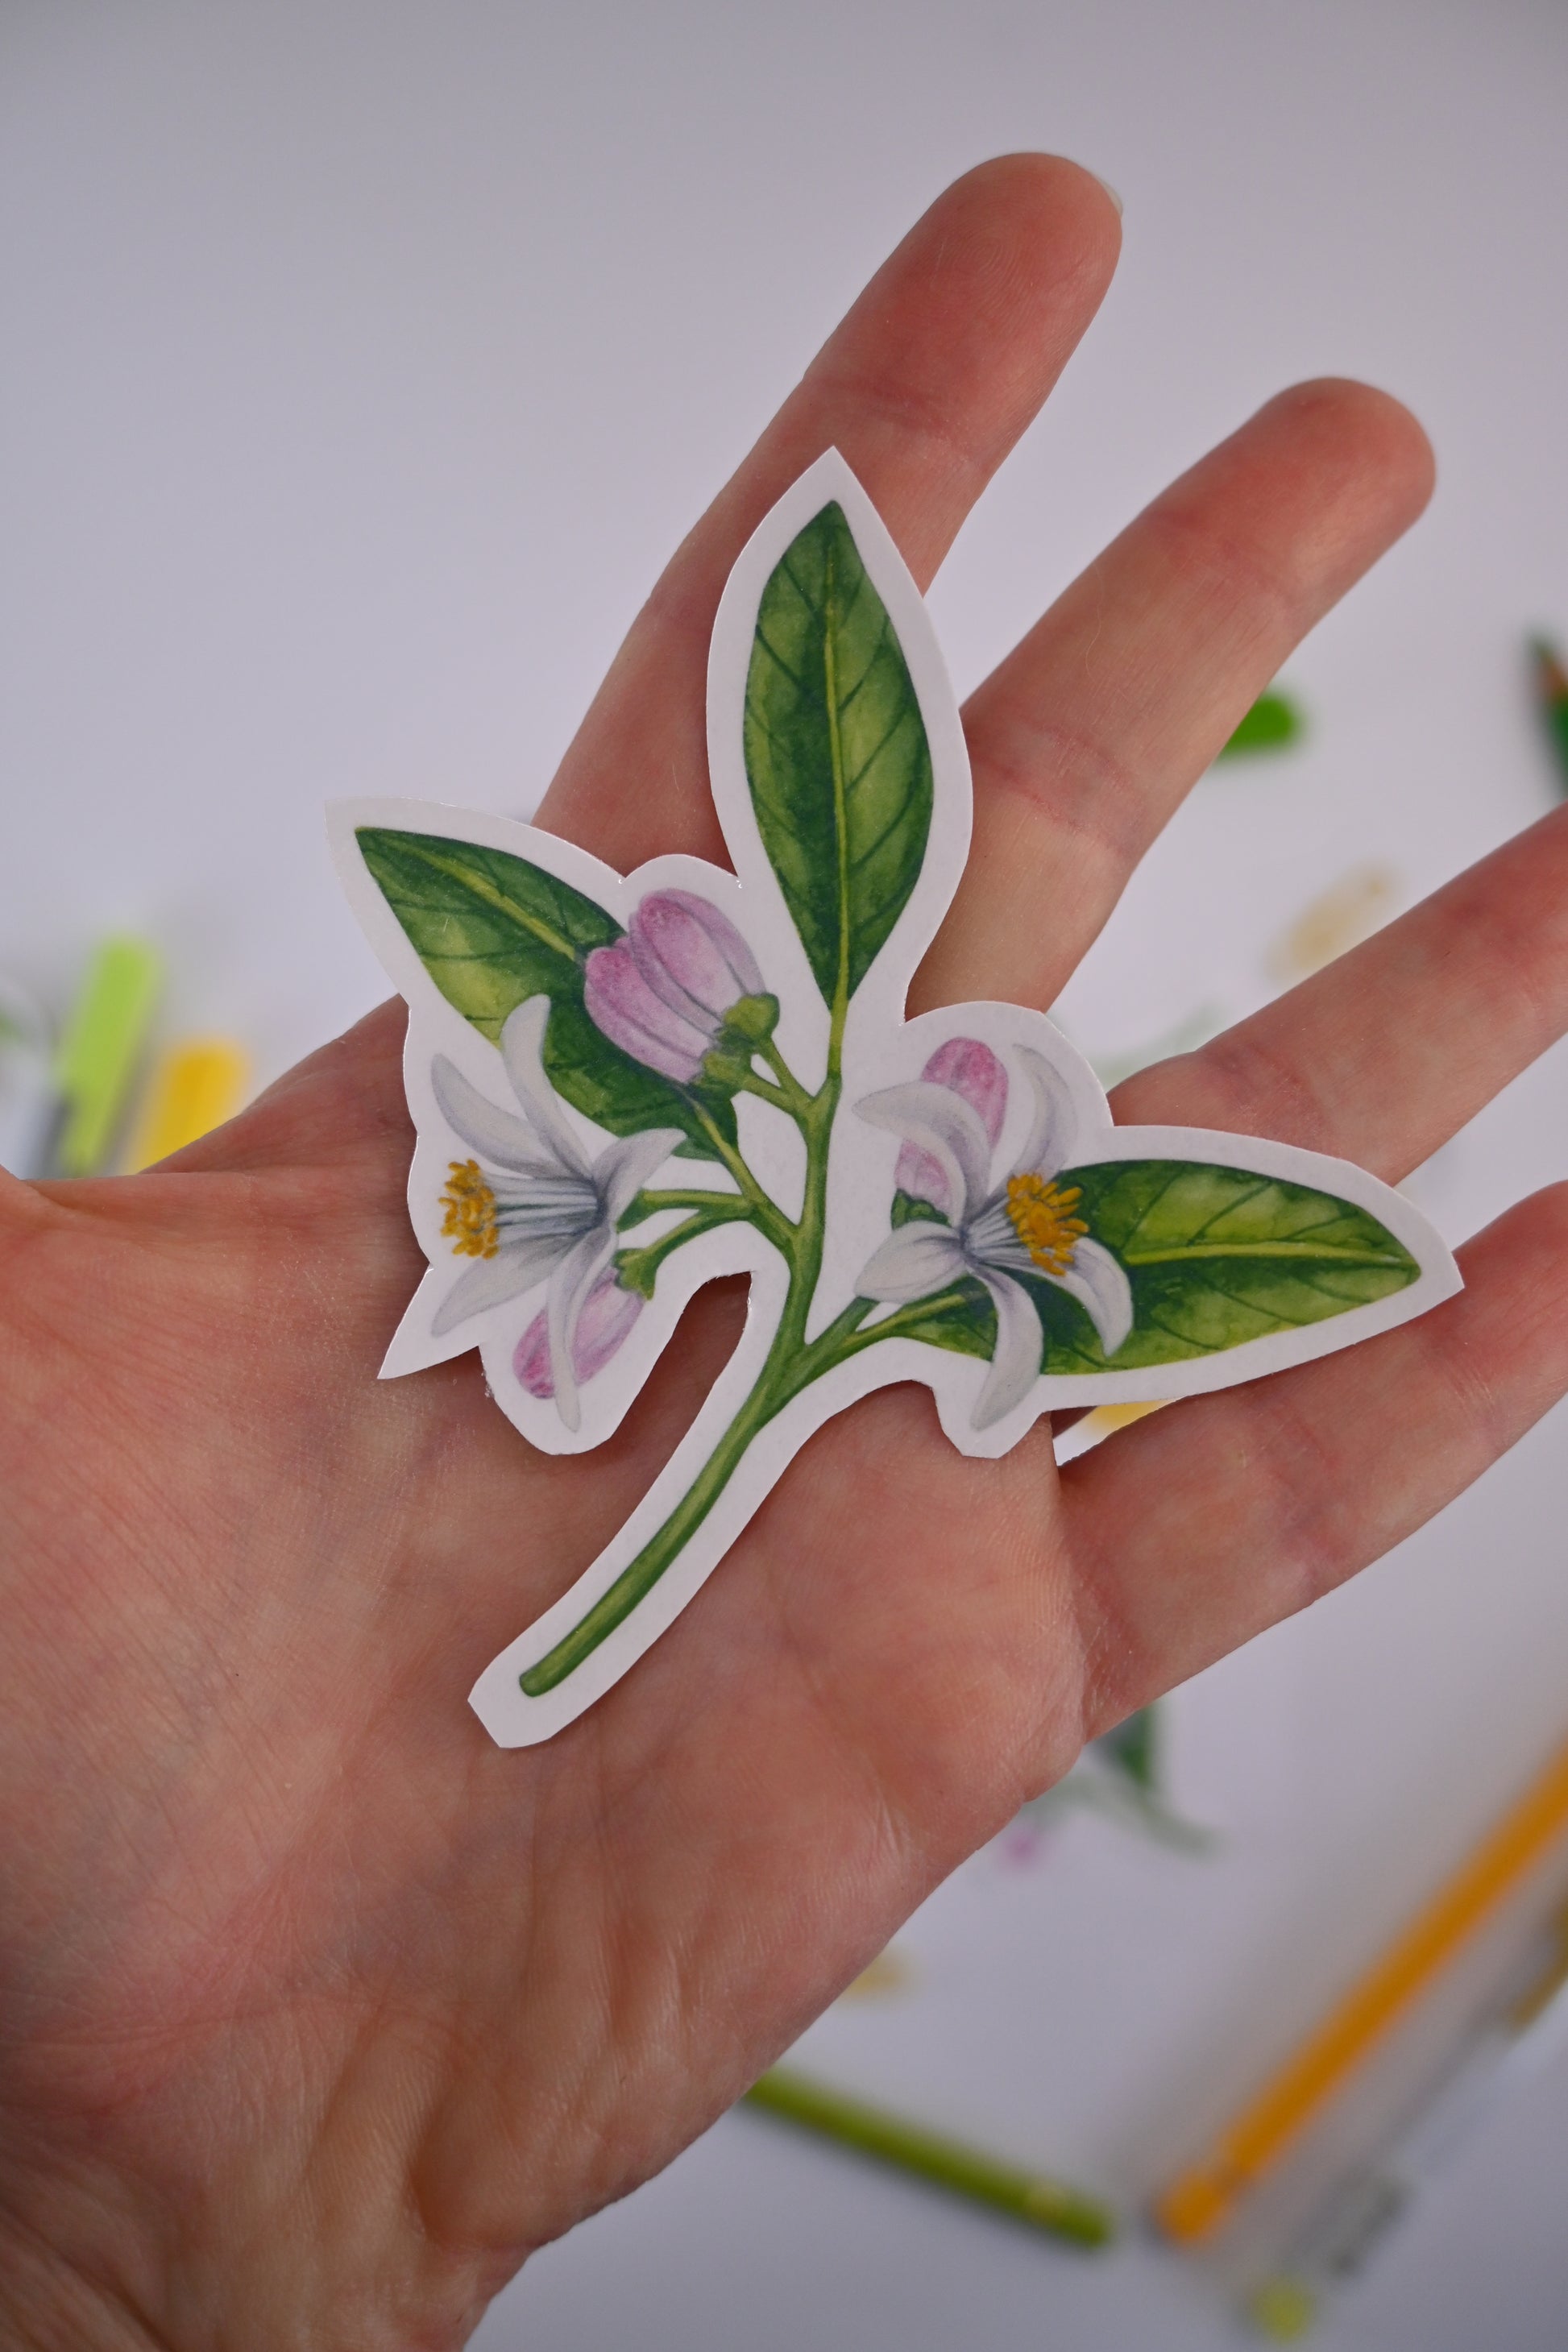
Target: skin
[316, 2011]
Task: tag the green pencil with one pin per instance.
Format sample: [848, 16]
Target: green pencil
[1551, 700]
[102, 1045]
[1030, 2197]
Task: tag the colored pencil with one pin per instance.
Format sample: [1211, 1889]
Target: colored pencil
[196, 1085]
[1035, 2198]
[1365, 2205]
[1202, 2198]
[99, 1050]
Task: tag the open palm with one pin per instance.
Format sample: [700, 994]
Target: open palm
[320, 2011]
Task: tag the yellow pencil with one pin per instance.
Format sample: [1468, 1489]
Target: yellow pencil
[198, 1084]
[1201, 2198]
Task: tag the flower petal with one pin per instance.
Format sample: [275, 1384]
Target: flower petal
[569, 1283]
[624, 1008]
[691, 956]
[969, 1067]
[1054, 1130]
[1015, 1359]
[523, 1051]
[942, 1123]
[914, 1262]
[607, 1315]
[920, 1178]
[1099, 1282]
[497, 1134]
[531, 1358]
[492, 1281]
[623, 1168]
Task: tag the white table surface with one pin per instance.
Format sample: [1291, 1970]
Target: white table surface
[364, 362]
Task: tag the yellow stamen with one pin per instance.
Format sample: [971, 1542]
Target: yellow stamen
[470, 1224]
[1042, 1218]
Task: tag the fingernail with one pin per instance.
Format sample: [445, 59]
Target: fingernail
[1109, 190]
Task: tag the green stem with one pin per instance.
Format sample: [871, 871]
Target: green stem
[639, 1266]
[764, 1091]
[789, 1369]
[897, 1326]
[796, 1101]
[778, 1228]
[790, 1365]
[638, 1579]
[835, 1345]
[686, 1196]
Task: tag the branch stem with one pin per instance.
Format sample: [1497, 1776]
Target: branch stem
[770, 1217]
[792, 1363]
[638, 1265]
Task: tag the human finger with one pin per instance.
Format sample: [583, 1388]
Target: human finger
[1384, 1054]
[1086, 738]
[925, 386]
[1198, 1527]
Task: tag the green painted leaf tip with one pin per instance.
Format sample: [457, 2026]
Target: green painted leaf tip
[836, 756]
[492, 931]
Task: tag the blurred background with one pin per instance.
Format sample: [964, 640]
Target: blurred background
[366, 359]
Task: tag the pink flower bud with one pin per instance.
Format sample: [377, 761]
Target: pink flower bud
[662, 993]
[608, 1314]
[692, 957]
[972, 1071]
[621, 1004]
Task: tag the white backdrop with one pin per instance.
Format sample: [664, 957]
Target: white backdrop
[364, 361]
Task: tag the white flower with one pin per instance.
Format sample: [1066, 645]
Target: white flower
[1023, 1225]
[532, 1208]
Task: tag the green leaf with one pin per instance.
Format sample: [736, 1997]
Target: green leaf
[1272, 724]
[908, 1209]
[836, 754]
[962, 1320]
[1216, 1257]
[1132, 1748]
[492, 931]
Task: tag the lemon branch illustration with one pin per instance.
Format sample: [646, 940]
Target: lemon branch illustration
[652, 1012]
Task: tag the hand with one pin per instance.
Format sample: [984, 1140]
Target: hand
[319, 2011]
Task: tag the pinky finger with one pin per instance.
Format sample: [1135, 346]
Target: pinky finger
[1209, 1521]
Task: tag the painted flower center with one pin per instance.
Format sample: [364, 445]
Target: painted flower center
[1041, 1215]
[470, 1224]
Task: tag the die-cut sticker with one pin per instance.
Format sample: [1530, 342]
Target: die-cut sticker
[624, 1087]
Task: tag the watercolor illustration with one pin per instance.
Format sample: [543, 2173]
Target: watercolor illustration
[626, 1087]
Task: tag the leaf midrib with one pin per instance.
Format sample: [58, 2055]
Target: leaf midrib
[493, 895]
[835, 756]
[1334, 1253]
